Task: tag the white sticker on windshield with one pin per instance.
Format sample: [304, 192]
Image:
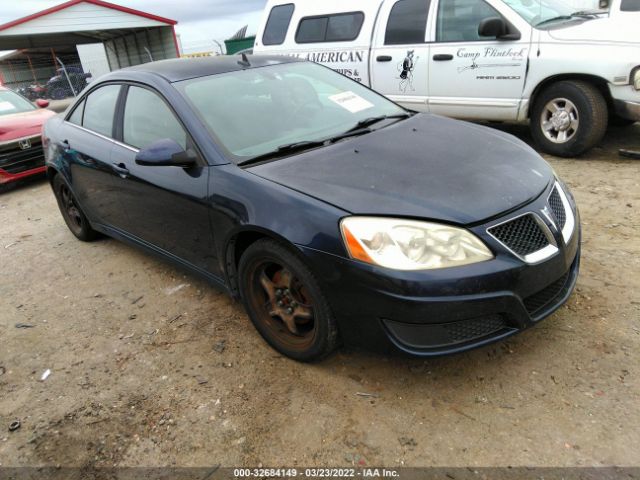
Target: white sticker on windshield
[350, 101]
[6, 106]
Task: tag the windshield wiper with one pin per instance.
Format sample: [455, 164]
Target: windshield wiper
[359, 128]
[587, 13]
[283, 150]
[579, 13]
[366, 122]
[553, 19]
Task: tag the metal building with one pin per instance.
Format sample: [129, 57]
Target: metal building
[92, 35]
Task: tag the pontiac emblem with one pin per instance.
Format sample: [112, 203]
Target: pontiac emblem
[24, 143]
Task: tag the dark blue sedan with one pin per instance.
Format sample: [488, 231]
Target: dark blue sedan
[335, 215]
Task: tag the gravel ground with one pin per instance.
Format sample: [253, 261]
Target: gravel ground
[149, 366]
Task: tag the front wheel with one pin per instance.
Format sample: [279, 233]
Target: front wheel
[568, 118]
[285, 302]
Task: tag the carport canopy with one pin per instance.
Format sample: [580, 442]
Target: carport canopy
[78, 22]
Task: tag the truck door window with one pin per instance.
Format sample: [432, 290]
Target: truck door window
[630, 6]
[342, 27]
[277, 24]
[458, 20]
[407, 22]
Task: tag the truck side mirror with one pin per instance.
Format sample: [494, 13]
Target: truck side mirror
[497, 27]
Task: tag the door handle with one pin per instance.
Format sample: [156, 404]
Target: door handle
[383, 58]
[442, 57]
[121, 169]
[65, 145]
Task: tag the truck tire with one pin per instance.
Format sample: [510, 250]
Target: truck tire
[568, 118]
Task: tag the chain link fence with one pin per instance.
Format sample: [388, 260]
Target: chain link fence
[52, 78]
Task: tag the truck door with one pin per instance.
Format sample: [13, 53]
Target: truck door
[472, 76]
[400, 54]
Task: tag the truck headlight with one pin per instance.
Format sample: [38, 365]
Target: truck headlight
[410, 245]
[635, 78]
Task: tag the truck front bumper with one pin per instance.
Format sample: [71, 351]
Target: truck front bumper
[627, 109]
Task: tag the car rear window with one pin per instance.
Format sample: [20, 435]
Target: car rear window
[342, 27]
[277, 25]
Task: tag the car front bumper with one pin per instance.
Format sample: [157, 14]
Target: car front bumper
[437, 312]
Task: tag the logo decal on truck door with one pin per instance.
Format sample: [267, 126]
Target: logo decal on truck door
[406, 72]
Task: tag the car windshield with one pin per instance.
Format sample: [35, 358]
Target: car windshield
[11, 102]
[538, 12]
[255, 111]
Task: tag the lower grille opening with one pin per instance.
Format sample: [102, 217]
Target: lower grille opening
[539, 300]
[442, 335]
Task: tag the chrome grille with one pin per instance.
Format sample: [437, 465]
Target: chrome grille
[522, 235]
[14, 159]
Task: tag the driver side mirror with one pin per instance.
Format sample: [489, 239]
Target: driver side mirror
[499, 28]
[42, 103]
[166, 153]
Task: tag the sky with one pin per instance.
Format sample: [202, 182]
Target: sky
[199, 21]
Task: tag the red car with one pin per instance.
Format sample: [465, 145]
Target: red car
[21, 123]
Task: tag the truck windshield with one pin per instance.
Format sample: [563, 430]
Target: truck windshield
[255, 111]
[537, 12]
[11, 102]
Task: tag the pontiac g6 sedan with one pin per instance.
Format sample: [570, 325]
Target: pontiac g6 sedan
[333, 214]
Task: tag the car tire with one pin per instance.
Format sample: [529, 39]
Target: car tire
[285, 302]
[568, 118]
[73, 215]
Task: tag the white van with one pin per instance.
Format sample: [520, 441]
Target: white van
[567, 72]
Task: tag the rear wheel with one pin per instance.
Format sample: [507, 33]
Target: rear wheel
[285, 302]
[568, 118]
[73, 215]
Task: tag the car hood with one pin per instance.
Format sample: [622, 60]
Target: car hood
[18, 125]
[424, 167]
[598, 30]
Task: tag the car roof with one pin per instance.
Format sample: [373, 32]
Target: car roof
[178, 69]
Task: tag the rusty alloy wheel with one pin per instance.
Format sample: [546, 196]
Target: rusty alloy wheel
[283, 304]
[70, 210]
[73, 215]
[286, 302]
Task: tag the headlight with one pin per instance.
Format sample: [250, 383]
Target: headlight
[410, 245]
[635, 78]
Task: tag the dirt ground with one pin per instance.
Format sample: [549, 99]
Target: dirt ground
[152, 367]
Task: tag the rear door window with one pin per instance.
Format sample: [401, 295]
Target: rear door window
[407, 23]
[99, 109]
[342, 27]
[277, 25]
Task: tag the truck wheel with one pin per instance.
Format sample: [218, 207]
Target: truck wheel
[568, 118]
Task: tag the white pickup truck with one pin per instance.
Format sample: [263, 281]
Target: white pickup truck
[568, 73]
